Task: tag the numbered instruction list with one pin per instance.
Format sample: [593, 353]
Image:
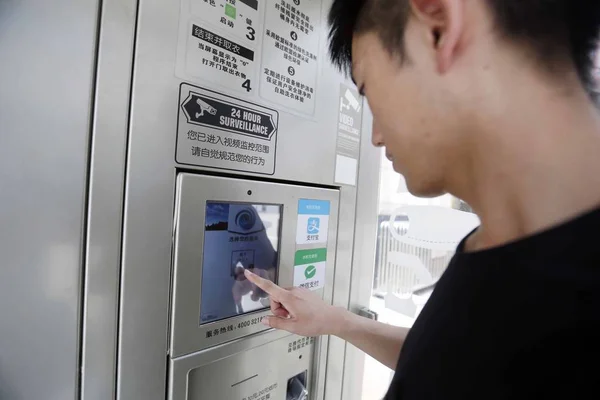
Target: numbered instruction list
[290, 53]
[221, 42]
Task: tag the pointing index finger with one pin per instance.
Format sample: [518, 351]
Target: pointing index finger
[266, 285]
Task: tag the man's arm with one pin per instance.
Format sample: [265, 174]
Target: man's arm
[381, 341]
[302, 312]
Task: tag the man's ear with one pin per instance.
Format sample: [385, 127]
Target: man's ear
[445, 19]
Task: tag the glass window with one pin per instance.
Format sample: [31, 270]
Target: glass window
[416, 239]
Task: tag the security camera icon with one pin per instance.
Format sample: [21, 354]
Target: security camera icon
[352, 102]
[205, 107]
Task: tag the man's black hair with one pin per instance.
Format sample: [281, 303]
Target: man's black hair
[554, 31]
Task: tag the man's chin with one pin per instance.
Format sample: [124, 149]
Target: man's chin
[424, 189]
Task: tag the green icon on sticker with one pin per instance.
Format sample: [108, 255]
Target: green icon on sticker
[230, 11]
[310, 272]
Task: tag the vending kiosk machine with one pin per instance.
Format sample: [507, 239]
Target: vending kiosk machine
[223, 226]
[154, 151]
[242, 154]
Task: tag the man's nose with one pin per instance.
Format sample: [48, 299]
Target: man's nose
[377, 137]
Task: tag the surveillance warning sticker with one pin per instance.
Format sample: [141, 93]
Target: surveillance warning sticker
[219, 131]
[348, 132]
[309, 268]
[213, 57]
[291, 53]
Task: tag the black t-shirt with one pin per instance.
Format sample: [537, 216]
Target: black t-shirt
[517, 321]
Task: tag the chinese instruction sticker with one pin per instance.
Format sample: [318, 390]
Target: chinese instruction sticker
[219, 131]
[291, 53]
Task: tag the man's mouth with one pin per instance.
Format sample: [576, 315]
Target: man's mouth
[389, 157]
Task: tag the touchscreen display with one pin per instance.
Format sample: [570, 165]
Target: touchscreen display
[237, 237]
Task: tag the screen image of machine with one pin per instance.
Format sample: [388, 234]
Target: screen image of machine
[237, 236]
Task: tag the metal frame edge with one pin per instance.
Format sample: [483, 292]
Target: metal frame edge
[105, 199]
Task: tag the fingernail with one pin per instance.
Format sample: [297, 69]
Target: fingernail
[247, 272]
[265, 321]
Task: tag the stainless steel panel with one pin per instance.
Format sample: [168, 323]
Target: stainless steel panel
[149, 199]
[260, 365]
[47, 63]
[343, 273]
[193, 193]
[105, 199]
[364, 250]
[305, 154]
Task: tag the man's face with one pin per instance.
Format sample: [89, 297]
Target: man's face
[413, 108]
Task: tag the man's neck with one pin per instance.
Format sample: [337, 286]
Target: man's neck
[538, 166]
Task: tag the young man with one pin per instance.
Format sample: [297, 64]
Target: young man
[491, 101]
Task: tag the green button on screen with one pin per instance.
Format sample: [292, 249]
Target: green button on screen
[230, 11]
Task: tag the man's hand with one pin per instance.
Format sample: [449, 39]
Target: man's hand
[302, 312]
[298, 310]
[243, 286]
